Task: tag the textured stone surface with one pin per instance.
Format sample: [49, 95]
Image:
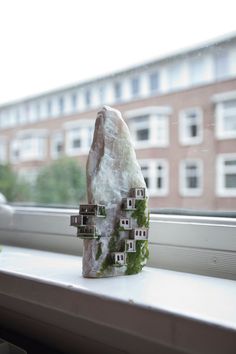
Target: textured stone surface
[112, 170]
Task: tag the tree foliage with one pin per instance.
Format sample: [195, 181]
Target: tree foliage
[62, 182]
[12, 186]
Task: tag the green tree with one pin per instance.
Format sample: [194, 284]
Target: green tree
[12, 186]
[62, 182]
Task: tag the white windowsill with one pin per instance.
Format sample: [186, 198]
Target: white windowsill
[147, 312]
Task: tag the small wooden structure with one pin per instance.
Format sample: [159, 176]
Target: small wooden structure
[138, 193]
[139, 233]
[87, 232]
[126, 223]
[119, 258]
[93, 209]
[130, 245]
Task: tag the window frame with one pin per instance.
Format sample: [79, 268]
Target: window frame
[152, 174]
[219, 101]
[154, 116]
[183, 190]
[85, 126]
[183, 138]
[221, 191]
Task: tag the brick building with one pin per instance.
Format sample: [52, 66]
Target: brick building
[181, 111]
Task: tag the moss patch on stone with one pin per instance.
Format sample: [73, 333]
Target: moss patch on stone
[99, 250]
[136, 261]
[140, 213]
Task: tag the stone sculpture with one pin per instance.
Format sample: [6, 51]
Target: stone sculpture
[114, 223]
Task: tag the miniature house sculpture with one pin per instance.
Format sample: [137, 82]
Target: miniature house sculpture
[85, 222]
[114, 223]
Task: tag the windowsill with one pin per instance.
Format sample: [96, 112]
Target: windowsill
[142, 313]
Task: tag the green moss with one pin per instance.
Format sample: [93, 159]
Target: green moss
[114, 245]
[140, 213]
[99, 251]
[136, 261]
[105, 264]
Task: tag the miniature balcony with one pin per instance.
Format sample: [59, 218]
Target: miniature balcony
[93, 209]
[128, 204]
[139, 233]
[82, 220]
[130, 246]
[88, 232]
[119, 259]
[126, 224]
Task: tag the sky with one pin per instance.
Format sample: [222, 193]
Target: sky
[47, 44]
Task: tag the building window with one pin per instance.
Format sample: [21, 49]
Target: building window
[49, 108]
[191, 174]
[61, 105]
[156, 176]
[74, 99]
[3, 151]
[87, 95]
[226, 175]
[197, 69]
[32, 148]
[78, 139]
[150, 128]
[154, 82]
[101, 93]
[57, 145]
[14, 151]
[190, 126]
[145, 172]
[226, 119]
[175, 76]
[221, 61]
[135, 86]
[38, 110]
[118, 91]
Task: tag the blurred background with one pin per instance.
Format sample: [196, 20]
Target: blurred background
[169, 67]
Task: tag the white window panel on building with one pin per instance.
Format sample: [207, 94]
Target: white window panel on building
[78, 137]
[14, 151]
[57, 145]
[175, 76]
[118, 91]
[197, 70]
[32, 147]
[3, 150]
[191, 126]
[135, 86]
[149, 126]
[225, 115]
[29, 145]
[156, 176]
[154, 82]
[226, 175]
[221, 61]
[191, 178]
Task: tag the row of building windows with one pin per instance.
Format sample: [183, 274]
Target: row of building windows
[149, 127]
[119, 90]
[191, 175]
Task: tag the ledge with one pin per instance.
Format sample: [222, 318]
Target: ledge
[157, 309]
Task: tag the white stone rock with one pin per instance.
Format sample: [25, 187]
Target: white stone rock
[112, 170]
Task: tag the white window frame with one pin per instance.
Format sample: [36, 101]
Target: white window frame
[152, 173]
[85, 126]
[183, 190]
[219, 101]
[55, 138]
[221, 191]
[157, 117]
[3, 150]
[184, 139]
